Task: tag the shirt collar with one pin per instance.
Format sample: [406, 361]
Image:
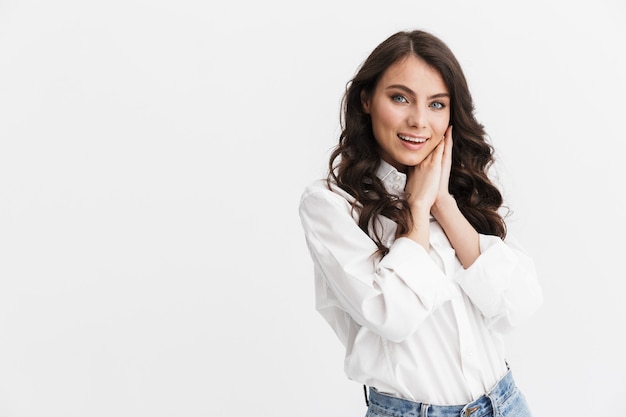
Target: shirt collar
[393, 180]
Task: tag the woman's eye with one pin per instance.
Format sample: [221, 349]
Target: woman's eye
[399, 99]
[438, 105]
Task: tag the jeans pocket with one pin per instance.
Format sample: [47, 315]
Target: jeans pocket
[514, 406]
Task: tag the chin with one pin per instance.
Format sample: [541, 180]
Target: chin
[412, 162]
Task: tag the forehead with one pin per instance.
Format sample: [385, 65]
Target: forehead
[415, 73]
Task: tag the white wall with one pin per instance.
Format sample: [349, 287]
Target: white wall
[152, 155]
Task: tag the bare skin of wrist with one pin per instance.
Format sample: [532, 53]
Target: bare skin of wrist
[461, 234]
[443, 204]
[420, 232]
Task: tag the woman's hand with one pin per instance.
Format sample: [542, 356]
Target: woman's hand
[424, 180]
[423, 185]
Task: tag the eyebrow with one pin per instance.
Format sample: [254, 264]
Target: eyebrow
[409, 91]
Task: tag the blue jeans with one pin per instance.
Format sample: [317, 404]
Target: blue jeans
[503, 400]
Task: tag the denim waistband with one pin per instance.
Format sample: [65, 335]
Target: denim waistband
[482, 406]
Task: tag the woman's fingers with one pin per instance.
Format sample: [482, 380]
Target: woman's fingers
[447, 154]
[446, 163]
[447, 140]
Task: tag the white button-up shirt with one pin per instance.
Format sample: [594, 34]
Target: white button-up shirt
[415, 324]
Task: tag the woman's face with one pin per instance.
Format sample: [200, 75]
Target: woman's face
[410, 111]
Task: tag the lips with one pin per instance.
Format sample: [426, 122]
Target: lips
[412, 139]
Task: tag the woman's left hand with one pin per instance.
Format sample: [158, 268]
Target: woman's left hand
[461, 234]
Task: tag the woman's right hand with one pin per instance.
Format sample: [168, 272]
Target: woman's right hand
[423, 181]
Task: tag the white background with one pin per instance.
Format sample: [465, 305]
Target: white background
[152, 156]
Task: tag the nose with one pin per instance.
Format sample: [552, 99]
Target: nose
[417, 117]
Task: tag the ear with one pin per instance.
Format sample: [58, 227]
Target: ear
[365, 102]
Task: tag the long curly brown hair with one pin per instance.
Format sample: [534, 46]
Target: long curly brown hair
[355, 160]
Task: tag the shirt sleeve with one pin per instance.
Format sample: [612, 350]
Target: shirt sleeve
[390, 296]
[502, 283]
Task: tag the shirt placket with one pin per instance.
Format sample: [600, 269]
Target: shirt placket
[467, 347]
[467, 344]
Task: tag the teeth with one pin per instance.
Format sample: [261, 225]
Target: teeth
[410, 139]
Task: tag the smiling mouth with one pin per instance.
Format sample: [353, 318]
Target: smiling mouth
[411, 139]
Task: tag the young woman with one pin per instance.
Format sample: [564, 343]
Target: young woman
[412, 269]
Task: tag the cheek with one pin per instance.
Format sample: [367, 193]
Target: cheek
[385, 117]
[442, 123]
